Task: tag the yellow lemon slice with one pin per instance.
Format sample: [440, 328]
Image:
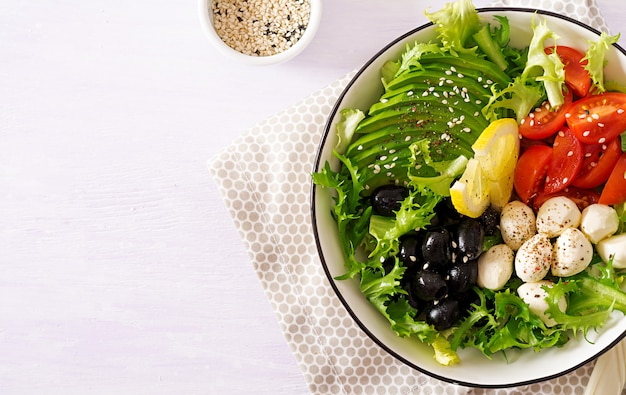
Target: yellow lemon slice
[497, 148]
[470, 194]
[488, 177]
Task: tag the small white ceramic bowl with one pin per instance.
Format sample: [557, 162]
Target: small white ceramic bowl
[206, 20]
[475, 370]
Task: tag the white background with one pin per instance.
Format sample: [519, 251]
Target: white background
[120, 269]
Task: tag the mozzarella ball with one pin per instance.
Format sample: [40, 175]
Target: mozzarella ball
[598, 221]
[556, 215]
[495, 267]
[534, 258]
[517, 224]
[535, 297]
[572, 253]
[615, 247]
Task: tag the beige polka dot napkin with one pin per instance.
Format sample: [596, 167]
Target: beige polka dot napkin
[269, 166]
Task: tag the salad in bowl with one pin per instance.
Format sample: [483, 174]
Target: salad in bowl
[469, 195]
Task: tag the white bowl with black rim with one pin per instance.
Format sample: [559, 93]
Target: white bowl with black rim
[475, 370]
[267, 37]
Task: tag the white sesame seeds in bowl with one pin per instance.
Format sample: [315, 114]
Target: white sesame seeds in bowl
[260, 32]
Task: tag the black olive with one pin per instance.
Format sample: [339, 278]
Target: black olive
[443, 314]
[490, 220]
[436, 247]
[469, 237]
[446, 213]
[460, 276]
[388, 198]
[389, 264]
[408, 276]
[428, 285]
[466, 300]
[413, 300]
[410, 250]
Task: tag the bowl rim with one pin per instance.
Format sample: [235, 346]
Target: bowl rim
[313, 211]
[206, 21]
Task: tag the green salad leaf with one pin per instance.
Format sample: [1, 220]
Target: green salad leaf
[456, 23]
[595, 57]
[546, 68]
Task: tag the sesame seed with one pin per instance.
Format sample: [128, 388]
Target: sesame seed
[620, 110]
[260, 28]
[586, 133]
[570, 153]
[601, 140]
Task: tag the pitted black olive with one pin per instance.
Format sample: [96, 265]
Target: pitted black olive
[428, 285]
[446, 213]
[443, 314]
[466, 300]
[410, 250]
[388, 198]
[389, 264]
[413, 300]
[436, 247]
[469, 237]
[460, 276]
[490, 219]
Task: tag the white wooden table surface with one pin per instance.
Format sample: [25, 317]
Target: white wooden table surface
[120, 269]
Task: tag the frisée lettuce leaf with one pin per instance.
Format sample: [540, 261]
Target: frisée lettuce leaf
[595, 57]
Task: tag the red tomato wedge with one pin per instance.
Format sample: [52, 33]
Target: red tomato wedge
[577, 77]
[614, 191]
[582, 197]
[598, 119]
[567, 159]
[531, 170]
[545, 121]
[598, 162]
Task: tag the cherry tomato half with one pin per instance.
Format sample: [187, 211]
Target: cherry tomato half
[531, 170]
[582, 197]
[598, 162]
[577, 77]
[614, 191]
[598, 119]
[567, 159]
[545, 121]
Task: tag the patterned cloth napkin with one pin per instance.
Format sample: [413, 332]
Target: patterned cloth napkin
[264, 178]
